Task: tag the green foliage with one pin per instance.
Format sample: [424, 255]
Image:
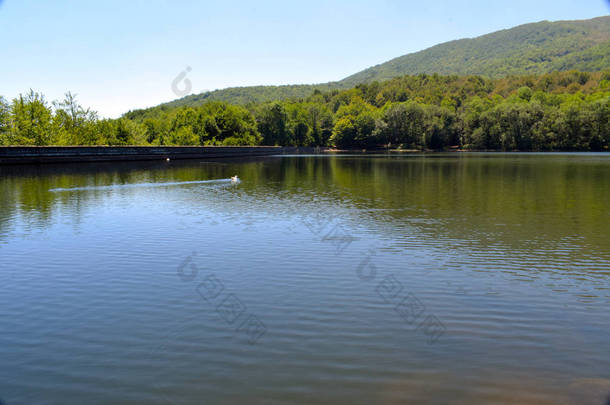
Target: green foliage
[530, 49]
[405, 123]
[249, 95]
[5, 117]
[523, 108]
[272, 123]
[355, 126]
[527, 49]
[74, 124]
[555, 111]
[237, 126]
[31, 121]
[344, 133]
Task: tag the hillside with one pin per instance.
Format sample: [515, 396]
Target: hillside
[527, 49]
[253, 94]
[535, 48]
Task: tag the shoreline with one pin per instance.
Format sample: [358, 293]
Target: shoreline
[14, 155]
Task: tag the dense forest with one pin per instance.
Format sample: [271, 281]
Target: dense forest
[555, 111]
[536, 48]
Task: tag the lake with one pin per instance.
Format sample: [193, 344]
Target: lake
[345, 279]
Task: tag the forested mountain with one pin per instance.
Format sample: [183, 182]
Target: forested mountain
[527, 49]
[521, 99]
[535, 48]
[253, 94]
[554, 111]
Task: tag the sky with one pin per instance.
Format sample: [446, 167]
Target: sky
[122, 55]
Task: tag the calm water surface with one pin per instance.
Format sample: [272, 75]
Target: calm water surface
[315, 280]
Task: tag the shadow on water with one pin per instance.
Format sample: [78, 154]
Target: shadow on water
[518, 201]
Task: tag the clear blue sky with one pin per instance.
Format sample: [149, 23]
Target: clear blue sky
[120, 55]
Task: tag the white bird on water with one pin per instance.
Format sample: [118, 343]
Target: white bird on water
[234, 179]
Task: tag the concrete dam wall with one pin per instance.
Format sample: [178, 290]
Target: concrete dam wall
[64, 154]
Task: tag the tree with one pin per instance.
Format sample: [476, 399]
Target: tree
[107, 129]
[122, 135]
[405, 123]
[127, 132]
[524, 93]
[365, 136]
[237, 123]
[272, 125]
[32, 120]
[439, 128]
[5, 122]
[600, 124]
[186, 128]
[184, 136]
[320, 121]
[211, 129]
[301, 135]
[74, 124]
[344, 133]
[556, 111]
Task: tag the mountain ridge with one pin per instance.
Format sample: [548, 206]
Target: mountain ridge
[542, 46]
[532, 48]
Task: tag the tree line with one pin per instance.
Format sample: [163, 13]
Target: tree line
[555, 111]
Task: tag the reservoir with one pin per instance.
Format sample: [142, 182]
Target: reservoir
[315, 279]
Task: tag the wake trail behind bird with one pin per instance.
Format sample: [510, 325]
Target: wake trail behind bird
[140, 185]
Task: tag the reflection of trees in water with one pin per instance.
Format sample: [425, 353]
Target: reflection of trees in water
[511, 199]
[24, 190]
[514, 200]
